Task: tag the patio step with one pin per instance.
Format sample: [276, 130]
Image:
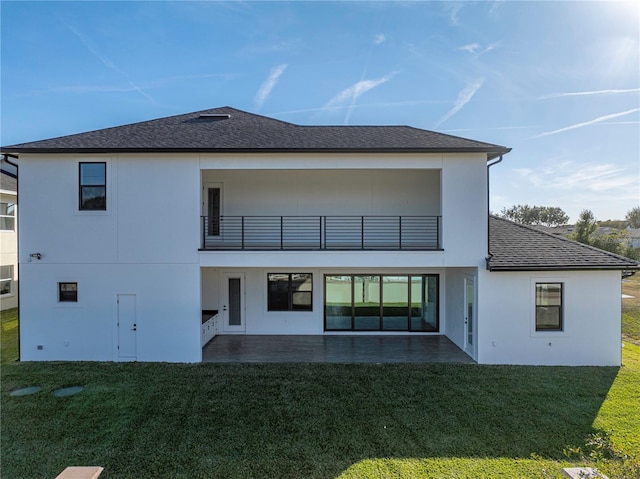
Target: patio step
[80, 472]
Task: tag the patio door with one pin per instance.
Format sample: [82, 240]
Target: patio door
[233, 307]
[469, 315]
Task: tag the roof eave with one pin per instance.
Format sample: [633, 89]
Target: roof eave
[564, 268]
[490, 154]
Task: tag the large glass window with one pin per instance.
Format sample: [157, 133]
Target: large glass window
[289, 291]
[6, 279]
[549, 306]
[93, 186]
[395, 303]
[7, 216]
[366, 302]
[338, 308]
[381, 303]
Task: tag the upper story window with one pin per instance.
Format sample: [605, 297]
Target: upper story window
[7, 216]
[549, 298]
[93, 186]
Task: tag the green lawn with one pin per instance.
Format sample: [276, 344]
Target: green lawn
[326, 421]
[631, 309]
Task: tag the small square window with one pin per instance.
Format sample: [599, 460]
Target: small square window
[549, 297]
[68, 292]
[93, 186]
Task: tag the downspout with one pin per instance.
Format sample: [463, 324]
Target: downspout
[5, 157]
[489, 255]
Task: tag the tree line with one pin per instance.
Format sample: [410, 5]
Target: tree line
[585, 229]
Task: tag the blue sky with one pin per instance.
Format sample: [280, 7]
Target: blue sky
[557, 82]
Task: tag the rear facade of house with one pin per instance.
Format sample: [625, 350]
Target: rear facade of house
[143, 242]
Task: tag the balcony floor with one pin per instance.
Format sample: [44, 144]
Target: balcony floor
[333, 349]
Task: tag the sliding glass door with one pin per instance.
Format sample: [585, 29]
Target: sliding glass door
[381, 302]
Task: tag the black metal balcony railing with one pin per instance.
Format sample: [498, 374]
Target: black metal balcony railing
[321, 233]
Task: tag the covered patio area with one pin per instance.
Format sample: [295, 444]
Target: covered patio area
[333, 349]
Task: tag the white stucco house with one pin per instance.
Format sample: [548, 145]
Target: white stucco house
[143, 241]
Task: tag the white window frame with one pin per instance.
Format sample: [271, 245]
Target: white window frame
[11, 281]
[13, 216]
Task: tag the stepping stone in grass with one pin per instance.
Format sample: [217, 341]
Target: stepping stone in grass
[70, 391]
[26, 391]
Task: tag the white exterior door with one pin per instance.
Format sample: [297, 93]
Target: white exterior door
[127, 327]
[233, 320]
[469, 315]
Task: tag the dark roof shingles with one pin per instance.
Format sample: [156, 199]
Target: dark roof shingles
[516, 247]
[246, 131]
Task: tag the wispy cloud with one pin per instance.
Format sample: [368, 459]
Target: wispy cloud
[471, 47]
[600, 119]
[351, 94]
[379, 38]
[569, 175]
[105, 60]
[464, 97]
[453, 10]
[475, 48]
[265, 89]
[586, 93]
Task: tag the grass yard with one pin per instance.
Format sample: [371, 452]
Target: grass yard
[631, 309]
[142, 420]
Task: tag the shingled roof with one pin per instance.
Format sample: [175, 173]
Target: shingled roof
[515, 247]
[229, 130]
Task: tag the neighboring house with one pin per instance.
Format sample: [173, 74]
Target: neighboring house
[632, 235]
[8, 240]
[130, 236]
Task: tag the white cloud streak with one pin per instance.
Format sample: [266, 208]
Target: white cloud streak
[265, 89]
[379, 38]
[568, 176]
[464, 97]
[471, 47]
[600, 119]
[354, 91]
[586, 93]
[106, 62]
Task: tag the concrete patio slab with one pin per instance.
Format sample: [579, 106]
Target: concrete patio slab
[333, 349]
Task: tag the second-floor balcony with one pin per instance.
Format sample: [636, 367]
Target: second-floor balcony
[316, 233]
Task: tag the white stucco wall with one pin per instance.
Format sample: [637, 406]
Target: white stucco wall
[592, 325]
[144, 244]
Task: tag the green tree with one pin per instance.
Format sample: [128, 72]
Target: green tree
[585, 227]
[536, 215]
[633, 217]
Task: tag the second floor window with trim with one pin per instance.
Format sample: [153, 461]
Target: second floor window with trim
[93, 186]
